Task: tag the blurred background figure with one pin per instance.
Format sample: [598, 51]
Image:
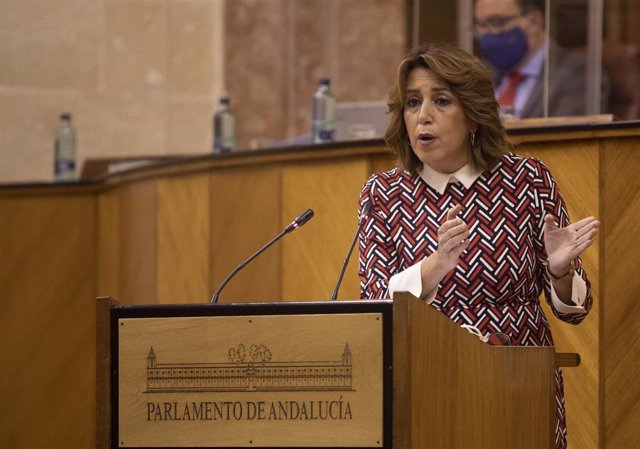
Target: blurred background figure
[511, 36]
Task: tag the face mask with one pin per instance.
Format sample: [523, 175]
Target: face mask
[505, 50]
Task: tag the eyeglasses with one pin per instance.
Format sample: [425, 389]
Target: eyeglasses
[494, 24]
[494, 339]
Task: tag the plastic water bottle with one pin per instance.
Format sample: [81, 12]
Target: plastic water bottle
[224, 128]
[65, 150]
[324, 113]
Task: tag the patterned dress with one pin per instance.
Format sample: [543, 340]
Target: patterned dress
[498, 282]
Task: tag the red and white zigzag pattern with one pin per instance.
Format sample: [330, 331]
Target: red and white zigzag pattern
[496, 286]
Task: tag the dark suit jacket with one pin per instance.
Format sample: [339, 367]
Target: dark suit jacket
[567, 86]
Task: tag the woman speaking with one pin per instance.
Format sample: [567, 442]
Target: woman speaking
[462, 222]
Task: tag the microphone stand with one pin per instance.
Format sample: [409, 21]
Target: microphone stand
[366, 209]
[214, 298]
[334, 295]
[299, 221]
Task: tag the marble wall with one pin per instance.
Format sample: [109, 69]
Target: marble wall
[277, 50]
[142, 77]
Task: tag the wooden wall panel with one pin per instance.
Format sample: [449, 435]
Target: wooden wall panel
[47, 286]
[382, 162]
[138, 237]
[576, 171]
[621, 310]
[245, 215]
[313, 255]
[108, 244]
[183, 239]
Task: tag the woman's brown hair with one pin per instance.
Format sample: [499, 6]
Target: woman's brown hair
[470, 81]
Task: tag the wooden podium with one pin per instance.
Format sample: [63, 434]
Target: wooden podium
[373, 374]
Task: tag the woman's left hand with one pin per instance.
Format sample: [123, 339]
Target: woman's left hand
[565, 244]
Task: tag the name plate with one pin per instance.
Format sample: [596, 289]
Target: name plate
[251, 381]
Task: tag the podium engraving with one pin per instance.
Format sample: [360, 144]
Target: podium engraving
[250, 371]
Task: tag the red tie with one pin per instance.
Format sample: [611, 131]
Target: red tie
[508, 95]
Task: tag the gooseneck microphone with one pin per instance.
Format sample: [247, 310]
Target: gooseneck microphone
[366, 210]
[295, 224]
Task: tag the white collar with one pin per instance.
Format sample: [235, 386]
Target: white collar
[466, 175]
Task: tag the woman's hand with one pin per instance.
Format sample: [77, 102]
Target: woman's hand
[452, 240]
[565, 244]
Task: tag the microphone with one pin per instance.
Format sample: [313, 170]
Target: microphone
[295, 224]
[299, 221]
[366, 210]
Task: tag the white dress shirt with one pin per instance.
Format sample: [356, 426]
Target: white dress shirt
[532, 71]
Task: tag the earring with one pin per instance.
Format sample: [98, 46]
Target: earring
[473, 138]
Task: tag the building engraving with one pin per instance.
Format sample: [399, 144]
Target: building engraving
[250, 370]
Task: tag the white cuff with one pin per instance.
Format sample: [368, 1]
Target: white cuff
[410, 280]
[578, 295]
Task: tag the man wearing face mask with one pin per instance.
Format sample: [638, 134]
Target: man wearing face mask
[511, 36]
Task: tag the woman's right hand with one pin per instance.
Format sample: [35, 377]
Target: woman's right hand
[452, 242]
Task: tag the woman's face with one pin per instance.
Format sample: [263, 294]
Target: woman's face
[438, 128]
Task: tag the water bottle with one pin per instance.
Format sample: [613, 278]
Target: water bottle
[224, 132]
[324, 113]
[65, 150]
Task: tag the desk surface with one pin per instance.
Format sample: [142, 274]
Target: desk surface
[107, 171]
